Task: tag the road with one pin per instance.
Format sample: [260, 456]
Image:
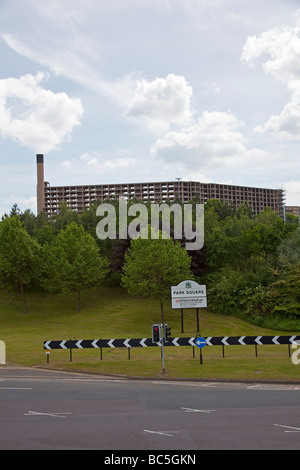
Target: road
[42, 409]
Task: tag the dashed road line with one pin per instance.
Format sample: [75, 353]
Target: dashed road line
[16, 388]
[162, 433]
[289, 428]
[191, 410]
[55, 415]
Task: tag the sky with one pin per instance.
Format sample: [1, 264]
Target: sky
[129, 91]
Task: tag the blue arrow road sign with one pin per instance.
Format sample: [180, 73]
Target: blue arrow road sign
[200, 342]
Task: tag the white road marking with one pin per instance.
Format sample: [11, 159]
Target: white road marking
[288, 427]
[213, 385]
[163, 433]
[16, 388]
[186, 384]
[71, 379]
[91, 380]
[56, 415]
[271, 388]
[191, 410]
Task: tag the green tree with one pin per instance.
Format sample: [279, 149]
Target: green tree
[64, 217]
[19, 256]
[152, 266]
[280, 298]
[222, 209]
[269, 231]
[44, 234]
[29, 221]
[89, 219]
[72, 262]
[289, 250]
[14, 210]
[226, 241]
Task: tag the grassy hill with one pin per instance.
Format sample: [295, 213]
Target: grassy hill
[109, 312]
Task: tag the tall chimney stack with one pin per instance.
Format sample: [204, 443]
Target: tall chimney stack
[40, 183]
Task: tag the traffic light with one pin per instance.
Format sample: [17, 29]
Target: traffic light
[155, 333]
[167, 333]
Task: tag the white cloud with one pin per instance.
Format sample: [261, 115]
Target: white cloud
[292, 188]
[211, 88]
[165, 105]
[23, 203]
[66, 164]
[196, 176]
[72, 56]
[282, 45]
[286, 125]
[94, 160]
[161, 66]
[162, 102]
[214, 136]
[36, 117]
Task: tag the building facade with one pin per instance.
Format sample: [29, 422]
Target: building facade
[294, 210]
[79, 198]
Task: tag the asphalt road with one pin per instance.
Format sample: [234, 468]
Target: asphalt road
[42, 409]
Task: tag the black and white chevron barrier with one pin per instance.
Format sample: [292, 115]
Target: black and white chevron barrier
[114, 343]
[189, 341]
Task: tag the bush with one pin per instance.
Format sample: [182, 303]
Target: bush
[281, 298]
[232, 292]
[226, 292]
[264, 298]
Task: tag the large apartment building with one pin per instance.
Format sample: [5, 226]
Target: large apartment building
[294, 210]
[79, 198]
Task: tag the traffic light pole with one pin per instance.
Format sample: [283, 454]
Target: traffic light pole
[162, 329]
[161, 334]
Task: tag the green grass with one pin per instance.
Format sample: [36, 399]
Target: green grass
[111, 313]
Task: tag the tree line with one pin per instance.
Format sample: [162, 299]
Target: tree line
[250, 264]
[253, 266]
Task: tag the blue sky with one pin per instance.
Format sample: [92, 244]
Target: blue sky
[116, 91]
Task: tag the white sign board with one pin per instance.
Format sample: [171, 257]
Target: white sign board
[188, 294]
[2, 353]
[194, 302]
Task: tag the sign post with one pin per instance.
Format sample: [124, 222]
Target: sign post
[158, 333]
[188, 294]
[162, 346]
[200, 343]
